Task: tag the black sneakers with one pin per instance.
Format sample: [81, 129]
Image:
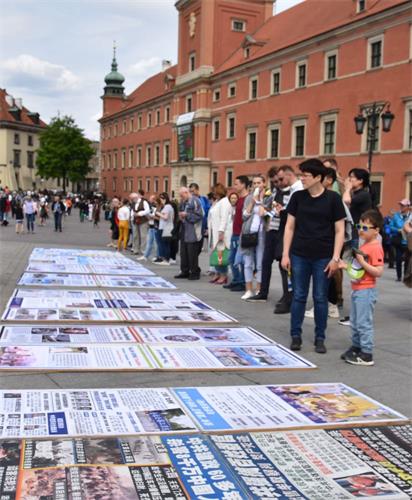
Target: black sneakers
[320, 347]
[257, 298]
[181, 276]
[361, 359]
[351, 351]
[344, 321]
[282, 308]
[296, 344]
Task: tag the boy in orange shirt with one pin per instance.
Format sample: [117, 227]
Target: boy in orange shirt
[366, 266]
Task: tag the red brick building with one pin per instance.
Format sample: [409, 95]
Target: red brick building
[252, 89]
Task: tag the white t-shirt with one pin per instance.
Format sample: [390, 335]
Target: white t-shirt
[123, 213]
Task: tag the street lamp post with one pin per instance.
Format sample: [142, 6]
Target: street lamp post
[370, 115]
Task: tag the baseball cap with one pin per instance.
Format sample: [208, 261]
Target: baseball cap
[405, 202]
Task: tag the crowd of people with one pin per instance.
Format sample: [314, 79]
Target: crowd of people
[31, 208]
[312, 222]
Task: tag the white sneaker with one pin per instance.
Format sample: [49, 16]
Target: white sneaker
[172, 261]
[310, 313]
[142, 257]
[333, 311]
[247, 295]
[163, 263]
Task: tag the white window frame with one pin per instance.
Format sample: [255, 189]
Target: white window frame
[166, 184]
[248, 132]
[115, 160]
[167, 112]
[372, 40]
[328, 54]
[157, 149]
[214, 121]
[131, 158]
[148, 186]
[123, 158]
[238, 21]
[332, 117]
[124, 126]
[246, 52]
[407, 122]
[273, 126]
[276, 71]
[214, 173]
[149, 121]
[302, 62]
[158, 116]
[227, 172]
[139, 121]
[189, 98]
[228, 118]
[298, 123]
[156, 185]
[229, 86]
[114, 184]
[251, 80]
[378, 178]
[148, 162]
[165, 145]
[217, 99]
[139, 156]
[358, 9]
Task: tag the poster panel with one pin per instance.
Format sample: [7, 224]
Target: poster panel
[145, 357]
[41, 253]
[116, 269]
[75, 358]
[72, 299]
[59, 279]
[321, 464]
[201, 336]
[282, 407]
[46, 315]
[271, 357]
[91, 412]
[67, 334]
[133, 282]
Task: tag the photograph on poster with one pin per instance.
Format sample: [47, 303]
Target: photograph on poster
[282, 407]
[91, 412]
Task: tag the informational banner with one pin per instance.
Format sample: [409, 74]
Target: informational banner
[39, 253]
[46, 315]
[353, 463]
[243, 408]
[116, 269]
[133, 282]
[91, 412]
[145, 357]
[185, 142]
[86, 334]
[92, 280]
[320, 464]
[76, 299]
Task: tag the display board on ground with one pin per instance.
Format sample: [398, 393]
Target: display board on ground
[66, 316]
[92, 280]
[145, 357]
[86, 334]
[83, 412]
[39, 253]
[75, 299]
[246, 408]
[340, 464]
[116, 412]
[116, 269]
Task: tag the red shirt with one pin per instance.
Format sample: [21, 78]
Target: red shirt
[238, 218]
[374, 251]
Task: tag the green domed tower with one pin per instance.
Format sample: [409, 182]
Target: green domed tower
[114, 80]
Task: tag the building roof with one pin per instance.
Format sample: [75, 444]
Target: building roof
[152, 88]
[25, 119]
[303, 22]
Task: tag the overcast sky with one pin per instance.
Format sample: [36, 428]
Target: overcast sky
[54, 54]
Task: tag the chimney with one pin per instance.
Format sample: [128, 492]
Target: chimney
[9, 100]
[166, 64]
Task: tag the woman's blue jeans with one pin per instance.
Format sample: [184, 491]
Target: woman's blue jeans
[303, 269]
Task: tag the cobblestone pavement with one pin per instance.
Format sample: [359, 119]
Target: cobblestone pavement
[388, 381]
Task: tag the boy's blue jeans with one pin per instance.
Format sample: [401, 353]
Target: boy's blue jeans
[303, 269]
[361, 318]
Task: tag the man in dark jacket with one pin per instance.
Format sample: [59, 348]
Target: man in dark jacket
[58, 209]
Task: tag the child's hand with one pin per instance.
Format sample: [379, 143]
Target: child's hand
[361, 259]
[342, 264]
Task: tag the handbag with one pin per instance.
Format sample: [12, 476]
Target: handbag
[249, 240]
[219, 256]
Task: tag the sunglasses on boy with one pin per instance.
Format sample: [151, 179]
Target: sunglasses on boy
[364, 227]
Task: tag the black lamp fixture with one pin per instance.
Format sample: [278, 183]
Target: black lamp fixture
[387, 119]
[360, 121]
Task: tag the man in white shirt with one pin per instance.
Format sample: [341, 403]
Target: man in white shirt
[140, 211]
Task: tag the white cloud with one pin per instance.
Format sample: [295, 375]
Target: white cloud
[145, 66]
[25, 68]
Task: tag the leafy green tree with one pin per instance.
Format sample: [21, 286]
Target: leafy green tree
[64, 152]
